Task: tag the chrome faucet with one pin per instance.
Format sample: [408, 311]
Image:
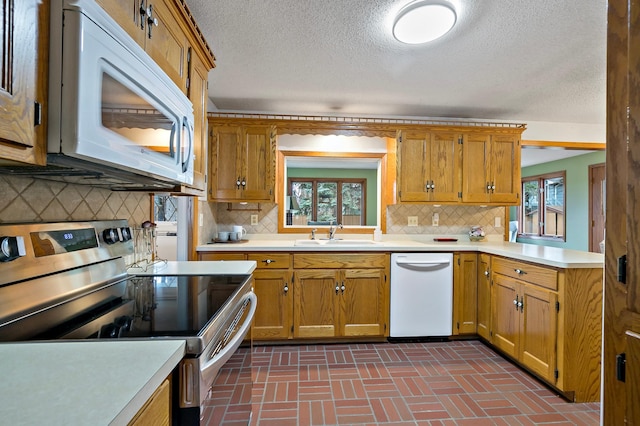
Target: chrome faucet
[313, 233]
[332, 230]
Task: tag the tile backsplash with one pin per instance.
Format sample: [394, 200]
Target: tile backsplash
[454, 220]
[24, 199]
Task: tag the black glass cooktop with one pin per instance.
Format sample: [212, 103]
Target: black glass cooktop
[177, 305]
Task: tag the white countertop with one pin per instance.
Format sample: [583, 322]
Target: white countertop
[82, 382]
[550, 256]
[239, 267]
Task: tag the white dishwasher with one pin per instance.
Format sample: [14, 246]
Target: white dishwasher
[421, 303]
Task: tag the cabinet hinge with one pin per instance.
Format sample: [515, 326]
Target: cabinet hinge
[292, 329]
[458, 325]
[291, 278]
[621, 364]
[491, 333]
[557, 306]
[400, 194]
[385, 278]
[459, 194]
[458, 261]
[460, 140]
[622, 269]
[37, 114]
[556, 374]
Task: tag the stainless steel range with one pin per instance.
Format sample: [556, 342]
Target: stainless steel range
[69, 281]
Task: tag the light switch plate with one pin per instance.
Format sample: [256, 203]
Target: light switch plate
[435, 219]
[412, 220]
[497, 222]
[254, 219]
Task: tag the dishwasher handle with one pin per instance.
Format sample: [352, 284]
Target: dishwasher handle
[423, 262]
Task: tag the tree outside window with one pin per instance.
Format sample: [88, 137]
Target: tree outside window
[323, 201]
[542, 212]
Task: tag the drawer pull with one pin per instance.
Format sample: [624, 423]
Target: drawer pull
[268, 261]
[520, 271]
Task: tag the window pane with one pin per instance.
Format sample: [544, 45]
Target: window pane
[352, 203]
[303, 193]
[554, 206]
[327, 201]
[530, 213]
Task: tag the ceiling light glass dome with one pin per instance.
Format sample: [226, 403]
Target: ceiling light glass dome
[423, 21]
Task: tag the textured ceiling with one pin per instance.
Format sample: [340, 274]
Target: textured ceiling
[522, 60]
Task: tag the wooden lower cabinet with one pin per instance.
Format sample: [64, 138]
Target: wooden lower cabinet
[343, 295]
[484, 296]
[525, 324]
[157, 410]
[275, 304]
[465, 293]
[549, 321]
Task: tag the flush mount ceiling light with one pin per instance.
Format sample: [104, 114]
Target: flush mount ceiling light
[423, 21]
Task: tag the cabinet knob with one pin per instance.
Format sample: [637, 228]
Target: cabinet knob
[238, 183]
[342, 288]
[519, 271]
[486, 273]
[244, 182]
[337, 288]
[515, 302]
[286, 288]
[268, 261]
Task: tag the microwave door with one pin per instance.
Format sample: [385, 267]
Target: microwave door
[187, 160]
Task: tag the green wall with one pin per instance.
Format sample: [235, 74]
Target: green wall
[577, 198]
[371, 175]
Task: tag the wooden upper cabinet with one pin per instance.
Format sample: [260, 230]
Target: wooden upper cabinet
[164, 39]
[491, 168]
[429, 166]
[198, 94]
[24, 39]
[127, 14]
[242, 163]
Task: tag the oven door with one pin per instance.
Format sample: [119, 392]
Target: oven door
[197, 375]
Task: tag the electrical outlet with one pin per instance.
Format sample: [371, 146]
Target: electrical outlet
[435, 219]
[412, 220]
[497, 222]
[254, 219]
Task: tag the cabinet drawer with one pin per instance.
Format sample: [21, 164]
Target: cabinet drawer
[527, 272]
[222, 256]
[342, 260]
[271, 260]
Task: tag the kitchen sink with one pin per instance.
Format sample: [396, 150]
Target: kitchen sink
[336, 242]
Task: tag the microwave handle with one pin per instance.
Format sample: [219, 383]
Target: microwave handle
[185, 160]
[172, 141]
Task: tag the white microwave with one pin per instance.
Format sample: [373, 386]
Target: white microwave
[112, 110]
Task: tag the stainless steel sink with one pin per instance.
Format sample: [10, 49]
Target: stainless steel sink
[336, 242]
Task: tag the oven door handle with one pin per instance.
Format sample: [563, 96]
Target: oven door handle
[223, 356]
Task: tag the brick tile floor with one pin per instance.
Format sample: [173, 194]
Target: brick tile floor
[445, 383]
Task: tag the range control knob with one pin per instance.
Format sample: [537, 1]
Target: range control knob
[126, 233]
[11, 248]
[110, 235]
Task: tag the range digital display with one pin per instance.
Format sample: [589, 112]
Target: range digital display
[66, 241]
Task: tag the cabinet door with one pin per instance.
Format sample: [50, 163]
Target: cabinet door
[505, 318]
[315, 308]
[166, 41]
[539, 328]
[476, 151]
[19, 48]
[444, 164]
[465, 299]
[225, 163]
[275, 304]
[505, 169]
[412, 166]
[198, 94]
[484, 296]
[362, 311]
[127, 14]
[258, 167]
